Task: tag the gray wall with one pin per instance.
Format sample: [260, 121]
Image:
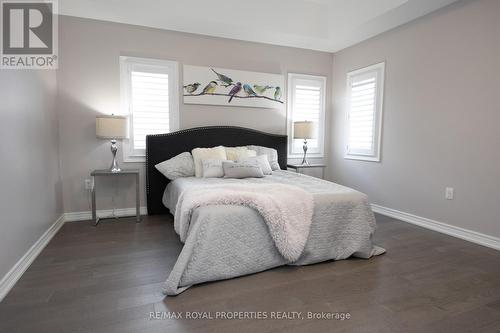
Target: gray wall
[88, 83]
[441, 117]
[30, 187]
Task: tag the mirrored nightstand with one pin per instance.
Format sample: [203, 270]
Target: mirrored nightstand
[299, 167]
[109, 173]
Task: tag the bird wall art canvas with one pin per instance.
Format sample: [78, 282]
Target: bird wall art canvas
[219, 86]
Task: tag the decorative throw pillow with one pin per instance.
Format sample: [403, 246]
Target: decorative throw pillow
[242, 170]
[272, 155]
[262, 161]
[212, 168]
[239, 153]
[199, 154]
[179, 166]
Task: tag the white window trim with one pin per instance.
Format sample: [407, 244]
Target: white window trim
[379, 69]
[129, 154]
[321, 124]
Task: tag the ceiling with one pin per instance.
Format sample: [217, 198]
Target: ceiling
[325, 25]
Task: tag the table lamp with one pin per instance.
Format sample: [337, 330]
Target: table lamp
[113, 128]
[304, 130]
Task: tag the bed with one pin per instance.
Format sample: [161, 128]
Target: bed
[223, 241]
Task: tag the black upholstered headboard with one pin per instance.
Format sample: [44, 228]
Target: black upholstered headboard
[161, 147]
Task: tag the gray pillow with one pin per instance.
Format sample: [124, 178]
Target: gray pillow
[179, 166]
[212, 168]
[250, 169]
[262, 161]
[272, 155]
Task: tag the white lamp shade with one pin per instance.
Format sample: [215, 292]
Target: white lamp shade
[111, 127]
[304, 130]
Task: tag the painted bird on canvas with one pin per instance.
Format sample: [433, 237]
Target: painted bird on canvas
[191, 88]
[226, 81]
[249, 90]
[261, 89]
[277, 93]
[210, 88]
[235, 90]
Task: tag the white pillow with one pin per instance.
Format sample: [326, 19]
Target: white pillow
[212, 168]
[199, 154]
[242, 169]
[179, 166]
[239, 153]
[263, 162]
[272, 155]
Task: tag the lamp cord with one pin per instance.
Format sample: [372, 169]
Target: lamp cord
[113, 203]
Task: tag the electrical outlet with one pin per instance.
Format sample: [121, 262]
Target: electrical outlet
[449, 192]
[88, 184]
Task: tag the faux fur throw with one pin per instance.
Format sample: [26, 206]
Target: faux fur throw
[287, 210]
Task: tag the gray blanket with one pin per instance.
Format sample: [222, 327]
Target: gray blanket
[226, 241]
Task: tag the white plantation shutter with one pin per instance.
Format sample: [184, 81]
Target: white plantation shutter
[364, 113]
[150, 98]
[306, 103]
[307, 107]
[149, 106]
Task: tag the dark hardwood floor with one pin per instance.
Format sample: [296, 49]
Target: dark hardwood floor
[109, 278]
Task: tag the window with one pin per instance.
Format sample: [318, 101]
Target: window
[150, 98]
[306, 102]
[365, 92]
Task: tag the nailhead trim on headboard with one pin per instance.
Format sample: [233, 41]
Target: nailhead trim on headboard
[198, 129]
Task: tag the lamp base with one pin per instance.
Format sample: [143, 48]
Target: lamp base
[114, 165]
[304, 161]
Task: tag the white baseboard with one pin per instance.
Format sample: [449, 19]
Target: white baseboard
[87, 215]
[10, 279]
[447, 229]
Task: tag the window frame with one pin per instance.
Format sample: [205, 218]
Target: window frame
[375, 155]
[320, 152]
[127, 64]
